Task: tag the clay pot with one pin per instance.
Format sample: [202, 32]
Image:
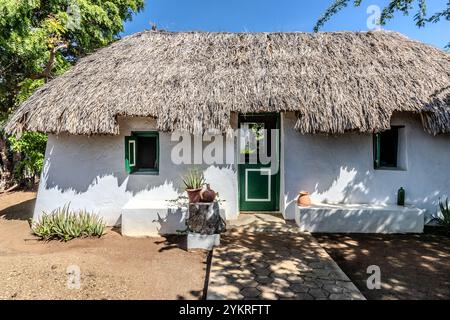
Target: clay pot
[207, 194]
[304, 199]
[194, 195]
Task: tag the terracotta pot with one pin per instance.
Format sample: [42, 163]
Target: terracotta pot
[303, 199]
[194, 195]
[207, 194]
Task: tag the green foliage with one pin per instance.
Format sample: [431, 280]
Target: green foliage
[403, 6]
[444, 218]
[63, 224]
[193, 179]
[31, 146]
[42, 39]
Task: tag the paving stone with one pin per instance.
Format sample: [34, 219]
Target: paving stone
[269, 295]
[326, 281]
[311, 284]
[264, 279]
[282, 274]
[224, 263]
[224, 292]
[294, 279]
[333, 288]
[284, 293]
[250, 292]
[318, 293]
[239, 271]
[279, 282]
[292, 266]
[260, 264]
[346, 285]
[340, 296]
[262, 272]
[355, 295]
[265, 288]
[248, 283]
[319, 265]
[321, 273]
[285, 265]
[338, 275]
[299, 288]
[303, 296]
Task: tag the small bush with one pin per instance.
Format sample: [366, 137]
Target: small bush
[63, 224]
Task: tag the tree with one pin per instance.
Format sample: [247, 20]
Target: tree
[40, 39]
[403, 6]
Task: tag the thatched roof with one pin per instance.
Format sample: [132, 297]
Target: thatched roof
[336, 82]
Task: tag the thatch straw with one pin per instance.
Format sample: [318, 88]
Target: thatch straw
[336, 82]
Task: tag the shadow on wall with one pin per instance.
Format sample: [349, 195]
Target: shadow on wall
[339, 169]
[353, 185]
[97, 188]
[172, 223]
[105, 197]
[105, 191]
[361, 219]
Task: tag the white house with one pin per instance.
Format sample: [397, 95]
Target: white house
[354, 117]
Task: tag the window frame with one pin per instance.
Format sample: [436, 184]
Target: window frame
[132, 168]
[377, 150]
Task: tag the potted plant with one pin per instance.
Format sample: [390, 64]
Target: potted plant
[194, 182]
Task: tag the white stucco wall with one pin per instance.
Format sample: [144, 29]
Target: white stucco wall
[89, 172]
[339, 169]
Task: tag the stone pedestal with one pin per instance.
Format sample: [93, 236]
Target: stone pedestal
[205, 225]
[200, 241]
[205, 218]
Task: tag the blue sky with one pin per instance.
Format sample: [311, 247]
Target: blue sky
[276, 15]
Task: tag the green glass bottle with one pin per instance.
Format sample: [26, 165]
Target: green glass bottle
[401, 197]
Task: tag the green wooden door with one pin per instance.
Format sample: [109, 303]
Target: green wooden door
[259, 183]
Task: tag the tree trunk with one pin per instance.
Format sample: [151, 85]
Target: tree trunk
[6, 168]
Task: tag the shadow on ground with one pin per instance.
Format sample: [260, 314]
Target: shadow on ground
[18, 211]
[264, 257]
[412, 266]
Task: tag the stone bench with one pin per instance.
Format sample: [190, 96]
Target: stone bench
[144, 217]
[360, 218]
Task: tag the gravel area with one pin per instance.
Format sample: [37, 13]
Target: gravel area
[113, 267]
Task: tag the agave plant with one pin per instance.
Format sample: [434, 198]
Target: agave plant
[444, 219]
[193, 179]
[66, 225]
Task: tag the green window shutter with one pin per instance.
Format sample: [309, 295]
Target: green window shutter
[130, 154]
[395, 150]
[377, 150]
[157, 151]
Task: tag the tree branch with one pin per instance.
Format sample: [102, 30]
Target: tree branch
[51, 61]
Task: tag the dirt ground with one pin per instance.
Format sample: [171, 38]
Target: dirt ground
[412, 266]
[113, 267]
